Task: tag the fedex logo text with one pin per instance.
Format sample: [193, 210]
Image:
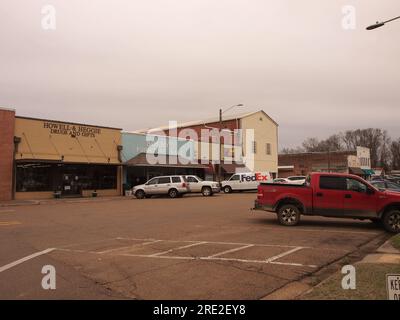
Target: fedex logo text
[257, 177]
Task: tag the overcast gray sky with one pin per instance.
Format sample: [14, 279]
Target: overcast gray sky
[136, 64]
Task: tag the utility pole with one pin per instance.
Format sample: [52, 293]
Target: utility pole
[220, 146]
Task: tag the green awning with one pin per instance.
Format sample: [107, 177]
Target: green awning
[368, 172]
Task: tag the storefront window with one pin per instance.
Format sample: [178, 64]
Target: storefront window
[68, 178]
[33, 177]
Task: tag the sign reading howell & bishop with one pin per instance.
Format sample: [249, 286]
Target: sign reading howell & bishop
[393, 286]
[72, 129]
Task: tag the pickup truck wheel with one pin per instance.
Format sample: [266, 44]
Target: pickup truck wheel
[173, 193]
[391, 221]
[140, 194]
[206, 191]
[227, 189]
[288, 215]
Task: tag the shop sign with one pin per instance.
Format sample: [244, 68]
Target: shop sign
[393, 286]
[71, 129]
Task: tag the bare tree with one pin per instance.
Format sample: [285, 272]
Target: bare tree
[370, 138]
[383, 152]
[311, 145]
[333, 143]
[395, 151]
[292, 150]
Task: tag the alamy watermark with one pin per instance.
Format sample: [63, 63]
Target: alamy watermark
[349, 19]
[207, 145]
[49, 19]
[49, 280]
[349, 280]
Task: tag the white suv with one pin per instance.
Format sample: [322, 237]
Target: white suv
[173, 186]
[207, 188]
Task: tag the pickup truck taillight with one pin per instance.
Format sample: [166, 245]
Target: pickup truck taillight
[260, 193]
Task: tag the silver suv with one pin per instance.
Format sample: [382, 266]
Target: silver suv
[173, 186]
[207, 188]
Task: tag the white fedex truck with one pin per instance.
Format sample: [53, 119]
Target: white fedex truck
[245, 181]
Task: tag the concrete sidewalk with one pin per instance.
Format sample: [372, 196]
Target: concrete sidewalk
[13, 203]
[385, 254]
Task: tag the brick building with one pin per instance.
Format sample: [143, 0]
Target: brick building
[7, 152]
[257, 144]
[355, 161]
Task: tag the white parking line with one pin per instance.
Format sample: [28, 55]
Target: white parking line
[126, 247]
[283, 254]
[218, 259]
[193, 243]
[7, 211]
[229, 251]
[218, 242]
[178, 248]
[22, 260]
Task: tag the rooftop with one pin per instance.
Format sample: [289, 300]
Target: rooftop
[204, 121]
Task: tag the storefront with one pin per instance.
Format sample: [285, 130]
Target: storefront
[54, 158]
[139, 170]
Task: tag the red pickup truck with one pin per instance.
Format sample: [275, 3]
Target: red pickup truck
[331, 195]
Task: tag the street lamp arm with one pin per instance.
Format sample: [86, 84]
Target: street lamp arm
[236, 105]
[381, 24]
[392, 19]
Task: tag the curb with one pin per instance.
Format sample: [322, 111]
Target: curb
[59, 201]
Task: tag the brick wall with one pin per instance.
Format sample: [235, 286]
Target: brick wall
[227, 124]
[305, 163]
[7, 123]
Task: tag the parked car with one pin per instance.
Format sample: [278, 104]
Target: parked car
[207, 188]
[297, 179]
[386, 185]
[245, 181]
[331, 195]
[173, 186]
[393, 179]
[281, 180]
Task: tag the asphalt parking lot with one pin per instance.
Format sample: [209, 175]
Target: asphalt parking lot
[187, 248]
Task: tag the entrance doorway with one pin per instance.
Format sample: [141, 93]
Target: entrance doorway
[70, 185]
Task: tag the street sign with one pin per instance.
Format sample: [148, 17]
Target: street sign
[393, 286]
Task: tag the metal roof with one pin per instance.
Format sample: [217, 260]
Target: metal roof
[205, 121]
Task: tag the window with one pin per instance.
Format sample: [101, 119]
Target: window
[332, 183]
[152, 181]
[355, 185]
[235, 177]
[254, 147]
[268, 148]
[192, 179]
[34, 177]
[176, 179]
[64, 177]
[164, 180]
[379, 185]
[393, 186]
